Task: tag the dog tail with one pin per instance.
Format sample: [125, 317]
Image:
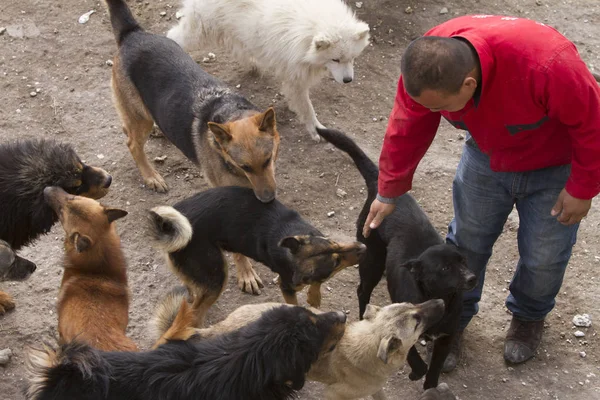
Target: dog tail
[121, 19]
[170, 230]
[61, 373]
[174, 318]
[365, 165]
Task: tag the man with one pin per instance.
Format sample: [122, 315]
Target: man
[532, 112]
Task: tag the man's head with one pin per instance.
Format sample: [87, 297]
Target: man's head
[440, 73]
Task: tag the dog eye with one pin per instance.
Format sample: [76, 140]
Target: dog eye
[246, 168]
[337, 60]
[266, 164]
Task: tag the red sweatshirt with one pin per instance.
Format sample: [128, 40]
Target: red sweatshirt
[539, 106]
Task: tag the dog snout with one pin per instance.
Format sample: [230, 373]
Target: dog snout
[341, 316]
[107, 182]
[347, 79]
[471, 281]
[265, 195]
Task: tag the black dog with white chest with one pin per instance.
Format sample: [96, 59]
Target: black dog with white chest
[419, 266]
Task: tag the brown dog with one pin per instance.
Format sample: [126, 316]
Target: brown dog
[154, 80]
[93, 301]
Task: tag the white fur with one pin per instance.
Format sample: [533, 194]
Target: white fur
[296, 40]
[183, 230]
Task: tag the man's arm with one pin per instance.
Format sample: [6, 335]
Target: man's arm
[410, 131]
[573, 98]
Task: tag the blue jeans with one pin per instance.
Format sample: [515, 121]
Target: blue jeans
[483, 199]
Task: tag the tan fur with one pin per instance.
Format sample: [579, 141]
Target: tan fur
[93, 300]
[183, 326]
[258, 146]
[6, 302]
[354, 369]
[38, 362]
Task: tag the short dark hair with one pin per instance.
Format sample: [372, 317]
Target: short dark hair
[436, 63]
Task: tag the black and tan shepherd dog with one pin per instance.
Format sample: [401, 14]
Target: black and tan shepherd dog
[26, 168]
[197, 230]
[419, 266]
[154, 80]
[264, 360]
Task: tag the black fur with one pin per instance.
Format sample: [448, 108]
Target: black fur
[264, 360]
[419, 266]
[26, 168]
[232, 219]
[13, 267]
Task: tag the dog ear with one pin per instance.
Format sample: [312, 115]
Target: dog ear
[114, 214]
[414, 266]
[362, 32]
[387, 346]
[81, 242]
[220, 131]
[291, 242]
[268, 121]
[371, 311]
[321, 42]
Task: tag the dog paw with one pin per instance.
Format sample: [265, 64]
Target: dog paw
[6, 303]
[249, 281]
[156, 183]
[415, 376]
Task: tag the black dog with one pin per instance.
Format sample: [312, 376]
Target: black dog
[197, 230]
[419, 266]
[264, 360]
[26, 168]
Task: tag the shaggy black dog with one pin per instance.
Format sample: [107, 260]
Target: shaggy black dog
[26, 168]
[265, 360]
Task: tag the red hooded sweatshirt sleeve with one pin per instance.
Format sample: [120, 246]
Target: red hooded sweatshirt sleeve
[539, 107]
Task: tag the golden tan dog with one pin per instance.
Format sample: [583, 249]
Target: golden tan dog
[93, 301]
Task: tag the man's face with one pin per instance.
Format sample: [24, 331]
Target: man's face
[436, 100]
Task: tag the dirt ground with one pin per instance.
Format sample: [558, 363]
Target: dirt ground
[46, 48]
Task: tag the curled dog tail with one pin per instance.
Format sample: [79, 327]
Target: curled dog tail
[62, 373]
[174, 318]
[365, 165]
[170, 230]
[121, 19]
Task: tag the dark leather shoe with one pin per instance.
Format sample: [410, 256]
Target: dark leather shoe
[455, 353]
[522, 340]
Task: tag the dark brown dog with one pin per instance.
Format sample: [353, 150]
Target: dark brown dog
[93, 301]
[26, 168]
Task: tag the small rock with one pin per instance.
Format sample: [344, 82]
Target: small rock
[408, 10]
[423, 343]
[160, 159]
[444, 10]
[5, 356]
[85, 17]
[205, 59]
[2, 30]
[178, 14]
[538, 2]
[374, 119]
[578, 334]
[582, 354]
[331, 214]
[358, 4]
[37, 90]
[582, 320]
[238, 86]
[100, 156]
[504, 380]
[109, 63]
[329, 288]
[340, 193]
[212, 56]
[163, 13]
[33, 94]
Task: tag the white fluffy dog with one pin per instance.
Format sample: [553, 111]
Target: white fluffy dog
[297, 40]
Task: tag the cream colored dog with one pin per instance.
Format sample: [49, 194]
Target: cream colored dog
[368, 353]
